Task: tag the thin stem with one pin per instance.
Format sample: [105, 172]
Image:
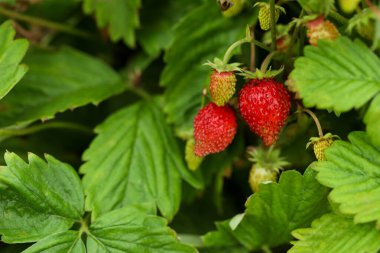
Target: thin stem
[253, 51]
[320, 132]
[228, 54]
[262, 45]
[273, 23]
[46, 126]
[43, 22]
[373, 8]
[335, 15]
[266, 249]
[139, 91]
[267, 60]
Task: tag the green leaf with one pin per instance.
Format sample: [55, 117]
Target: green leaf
[200, 36]
[276, 210]
[158, 20]
[317, 6]
[336, 234]
[65, 242]
[353, 171]
[130, 229]
[37, 199]
[11, 53]
[119, 16]
[135, 158]
[337, 75]
[372, 120]
[58, 81]
[222, 237]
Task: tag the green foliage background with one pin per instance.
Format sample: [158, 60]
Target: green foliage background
[97, 99]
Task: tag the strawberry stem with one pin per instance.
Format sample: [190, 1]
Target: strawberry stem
[267, 60]
[228, 54]
[320, 132]
[273, 23]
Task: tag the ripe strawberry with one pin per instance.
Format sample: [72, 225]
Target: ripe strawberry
[320, 144]
[321, 29]
[266, 167]
[192, 160]
[222, 87]
[264, 105]
[214, 129]
[264, 15]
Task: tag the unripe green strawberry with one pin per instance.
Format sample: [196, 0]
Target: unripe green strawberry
[265, 16]
[348, 6]
[231, 8]
[267, 164]
[259, 175]
[319, 28]
[192, 160]
[222, 87]
[320, 144]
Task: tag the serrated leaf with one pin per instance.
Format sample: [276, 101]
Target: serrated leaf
[353, 171]
[37, 199]
[119, 16]
[130, 229]
[317, 6]
[277, 209]
[372, 120]
[336, 234]
[135, 158]
[196, 40]
[158, 20]
[65, 242]
[337, 75]
[11, 53]
[58, 81]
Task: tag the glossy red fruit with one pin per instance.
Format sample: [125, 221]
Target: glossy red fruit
[222, 87]
[214, 129]
[264, 105]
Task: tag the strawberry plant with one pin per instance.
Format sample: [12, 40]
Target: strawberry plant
[182, 126]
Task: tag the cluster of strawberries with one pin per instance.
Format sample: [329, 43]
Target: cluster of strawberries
[264, 104]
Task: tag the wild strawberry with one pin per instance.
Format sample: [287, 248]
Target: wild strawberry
[222, 87]
[319, 28]
[231, 8]
[192, 160]
[264, 105]
[266, 167]
[320, 144]
[214, 129]
[264, 15]
[348, 6]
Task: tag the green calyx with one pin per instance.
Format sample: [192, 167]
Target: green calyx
[266, 5]
[364, 23]
[267, 158]
[259, 74]
[327, 136]
[220, 66]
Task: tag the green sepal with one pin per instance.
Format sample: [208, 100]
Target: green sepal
[313, 140]
[220, 66]
[258, 74]
[266, 5]
[267, 158]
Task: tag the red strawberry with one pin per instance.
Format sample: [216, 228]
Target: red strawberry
[214, 129]
[222, 87]
[264, 105]
[321, 29]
